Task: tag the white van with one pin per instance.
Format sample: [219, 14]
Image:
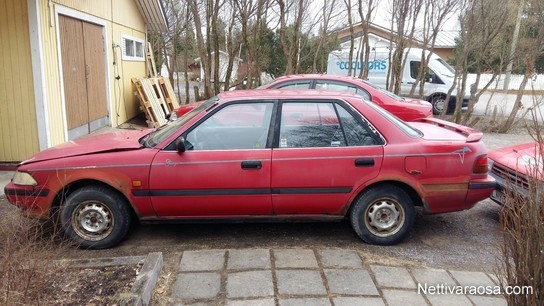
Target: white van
[439, 74]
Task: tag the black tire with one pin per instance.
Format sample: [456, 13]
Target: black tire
[438, 102]
[95, 217]
[387, 200]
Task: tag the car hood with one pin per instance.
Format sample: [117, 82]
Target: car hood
[522, 158]
[122, 140]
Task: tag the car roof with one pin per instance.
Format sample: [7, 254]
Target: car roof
[286, 94]
[317, 76]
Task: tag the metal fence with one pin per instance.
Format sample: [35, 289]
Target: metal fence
[534, 83]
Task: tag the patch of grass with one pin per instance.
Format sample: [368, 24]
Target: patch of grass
[522, 221]
[27, 250]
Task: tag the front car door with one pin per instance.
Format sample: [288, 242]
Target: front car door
[225, 169]
[324, 150]
[432, 81]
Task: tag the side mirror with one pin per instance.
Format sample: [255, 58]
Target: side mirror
[180, 144]
[428, 78]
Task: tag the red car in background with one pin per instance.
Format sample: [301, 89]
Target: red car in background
[406, 109]
[259, 155]
[515, 167]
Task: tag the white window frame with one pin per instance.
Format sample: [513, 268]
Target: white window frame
[134, 58]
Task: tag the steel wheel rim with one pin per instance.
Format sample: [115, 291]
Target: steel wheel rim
[439, 105]
[384, 217]
[92, 220]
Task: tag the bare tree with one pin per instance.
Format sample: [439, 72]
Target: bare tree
[327, 10]
[349, 7]
[405, 13]
[173, 44]
[291, 47]
[531, 46]
[246, 11]
[481, 23]
[230, 49]
[201, 43]
[214, 7]
[365, 23]
[186, 57]
[256, 37]
[435, 13]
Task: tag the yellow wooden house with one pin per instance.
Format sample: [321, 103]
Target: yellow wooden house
[66, 68]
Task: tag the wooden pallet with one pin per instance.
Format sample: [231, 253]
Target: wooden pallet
[168, 92]
[150, 61]
[157, 98]
[150, 102]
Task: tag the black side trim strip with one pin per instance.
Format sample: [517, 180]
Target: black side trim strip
[255, 191]
[243, 219]
[199, 192]
[141, 193]
[482, 185]
[311, 190]
[27, 193]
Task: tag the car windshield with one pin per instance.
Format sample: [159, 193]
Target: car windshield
[163, 132]
[441, 67]
[388, 93]
[408, 130]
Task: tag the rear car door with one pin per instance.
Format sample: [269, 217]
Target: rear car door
[225, 169]
[323, 151]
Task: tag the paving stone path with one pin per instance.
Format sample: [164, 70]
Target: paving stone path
[315, 277]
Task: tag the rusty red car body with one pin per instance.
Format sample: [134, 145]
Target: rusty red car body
[183, 171]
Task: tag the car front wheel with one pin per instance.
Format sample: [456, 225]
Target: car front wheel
[383, 215]
[95, 217]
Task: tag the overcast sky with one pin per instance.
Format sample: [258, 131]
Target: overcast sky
[382, 14]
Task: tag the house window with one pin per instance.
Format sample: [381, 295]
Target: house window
[133, 48]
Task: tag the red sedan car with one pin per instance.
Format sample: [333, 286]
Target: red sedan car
[406, 109]
[259, 155]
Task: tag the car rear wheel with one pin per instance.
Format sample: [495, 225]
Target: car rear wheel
[383, 215]
[95, 217]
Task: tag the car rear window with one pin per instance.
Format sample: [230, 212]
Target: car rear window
[408, 130]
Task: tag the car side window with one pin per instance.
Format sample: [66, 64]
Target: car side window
[235, 126]
[430, 76]
[297, 85]
[307, 125]
[356, 134]
[414, 69]
[325, 85]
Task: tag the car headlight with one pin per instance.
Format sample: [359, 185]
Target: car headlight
[490, 163]
[23, 178]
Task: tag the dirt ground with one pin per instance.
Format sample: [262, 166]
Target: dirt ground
[90, 286]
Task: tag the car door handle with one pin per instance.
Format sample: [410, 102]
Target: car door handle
[251, 164]
[364, 162]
